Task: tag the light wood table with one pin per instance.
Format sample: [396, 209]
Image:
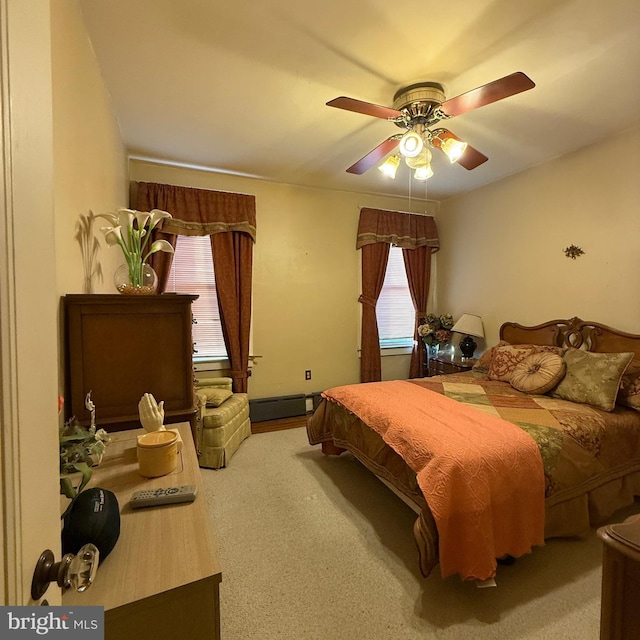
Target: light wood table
[162, 578]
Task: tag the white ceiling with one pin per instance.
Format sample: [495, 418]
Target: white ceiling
[241, 85]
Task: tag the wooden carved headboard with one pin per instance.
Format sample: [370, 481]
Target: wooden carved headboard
[580, 334]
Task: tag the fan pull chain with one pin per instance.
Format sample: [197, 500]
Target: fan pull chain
[426, 201]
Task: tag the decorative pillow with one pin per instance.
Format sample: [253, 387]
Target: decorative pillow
[592, 378]
[215, 397]
[538, 373]
[484, 362]
[629, 393]
[504, 361]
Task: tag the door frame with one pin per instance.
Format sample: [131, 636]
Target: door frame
[29, 495]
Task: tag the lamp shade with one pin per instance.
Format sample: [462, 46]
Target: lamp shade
[390, 166]
[469, 324]
[454, 149]
[411, 144]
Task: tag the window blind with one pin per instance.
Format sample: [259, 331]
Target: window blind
[192, 272]
[395, 310]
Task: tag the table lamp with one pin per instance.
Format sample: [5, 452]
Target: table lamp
[471, 325]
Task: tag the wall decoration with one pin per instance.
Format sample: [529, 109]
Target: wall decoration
[573, 251]
[89, 248]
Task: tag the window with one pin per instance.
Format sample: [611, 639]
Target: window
[192, 272]
[395, 311]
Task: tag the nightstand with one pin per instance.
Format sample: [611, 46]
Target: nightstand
[619, 613]
[442, 365]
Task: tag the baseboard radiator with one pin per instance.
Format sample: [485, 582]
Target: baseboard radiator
[277, 408]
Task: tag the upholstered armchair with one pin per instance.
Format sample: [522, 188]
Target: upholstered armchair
[222, 421]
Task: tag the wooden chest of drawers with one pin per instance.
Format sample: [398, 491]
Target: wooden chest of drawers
[120, 347]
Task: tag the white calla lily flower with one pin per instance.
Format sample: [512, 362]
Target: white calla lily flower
[111, 217]
[126, 217]
[157, 215]
[112, 235]
[132, 232]
[142, 217]
[161, 245]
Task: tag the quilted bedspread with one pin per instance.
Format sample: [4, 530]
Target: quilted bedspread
[482, 476]
[578, 443]
[590, 458]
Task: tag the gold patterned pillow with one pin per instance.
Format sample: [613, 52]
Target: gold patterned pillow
[215, 397]
[592, 378]
[629, 393]
[484, 361]
[538, 373]
[505, 359]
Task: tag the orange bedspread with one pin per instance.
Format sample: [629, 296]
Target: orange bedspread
[481, 475]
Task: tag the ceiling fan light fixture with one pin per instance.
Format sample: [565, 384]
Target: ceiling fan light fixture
[390, 166]
[411, 144]
[423, 173]
[421, 160]
[453, 148]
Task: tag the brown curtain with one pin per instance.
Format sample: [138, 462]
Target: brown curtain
[199, 212]
[161, 260]
[418, 237]
[417, 263]
[232, 260]
[374, 266]
[232, 216]
[406, 230]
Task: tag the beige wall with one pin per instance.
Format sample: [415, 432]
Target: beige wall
[502, 246]
[90, 160]
[305, 279]
[501, 251]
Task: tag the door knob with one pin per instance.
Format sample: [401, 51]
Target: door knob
[77, 572]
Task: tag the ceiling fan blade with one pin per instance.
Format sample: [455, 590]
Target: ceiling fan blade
[367, 108]
[374, 156]
[488, 93]
[470, 159]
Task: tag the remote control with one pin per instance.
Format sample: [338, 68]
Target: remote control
[165, 495]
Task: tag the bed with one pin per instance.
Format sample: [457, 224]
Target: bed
[492, 466]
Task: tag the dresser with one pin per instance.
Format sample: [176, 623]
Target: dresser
[620, 608]
[441, 365]
[120, 347]
[161, 581]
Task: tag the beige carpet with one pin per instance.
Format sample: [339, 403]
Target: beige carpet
[318, 548]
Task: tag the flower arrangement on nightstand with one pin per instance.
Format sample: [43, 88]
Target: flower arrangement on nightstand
[435, 332]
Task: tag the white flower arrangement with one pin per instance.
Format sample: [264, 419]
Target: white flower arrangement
[131, 231]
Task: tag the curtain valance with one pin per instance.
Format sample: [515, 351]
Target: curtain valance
[199, 212]
[406, 230]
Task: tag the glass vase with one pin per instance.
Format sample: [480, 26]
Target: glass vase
[446, 350]
[139, 279]
[432, 350]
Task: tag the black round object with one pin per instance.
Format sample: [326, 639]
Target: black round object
[94, 517]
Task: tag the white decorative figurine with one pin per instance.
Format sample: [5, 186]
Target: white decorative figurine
[91, 408]
[151, 413]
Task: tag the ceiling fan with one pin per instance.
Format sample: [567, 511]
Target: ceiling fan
[417, 108]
